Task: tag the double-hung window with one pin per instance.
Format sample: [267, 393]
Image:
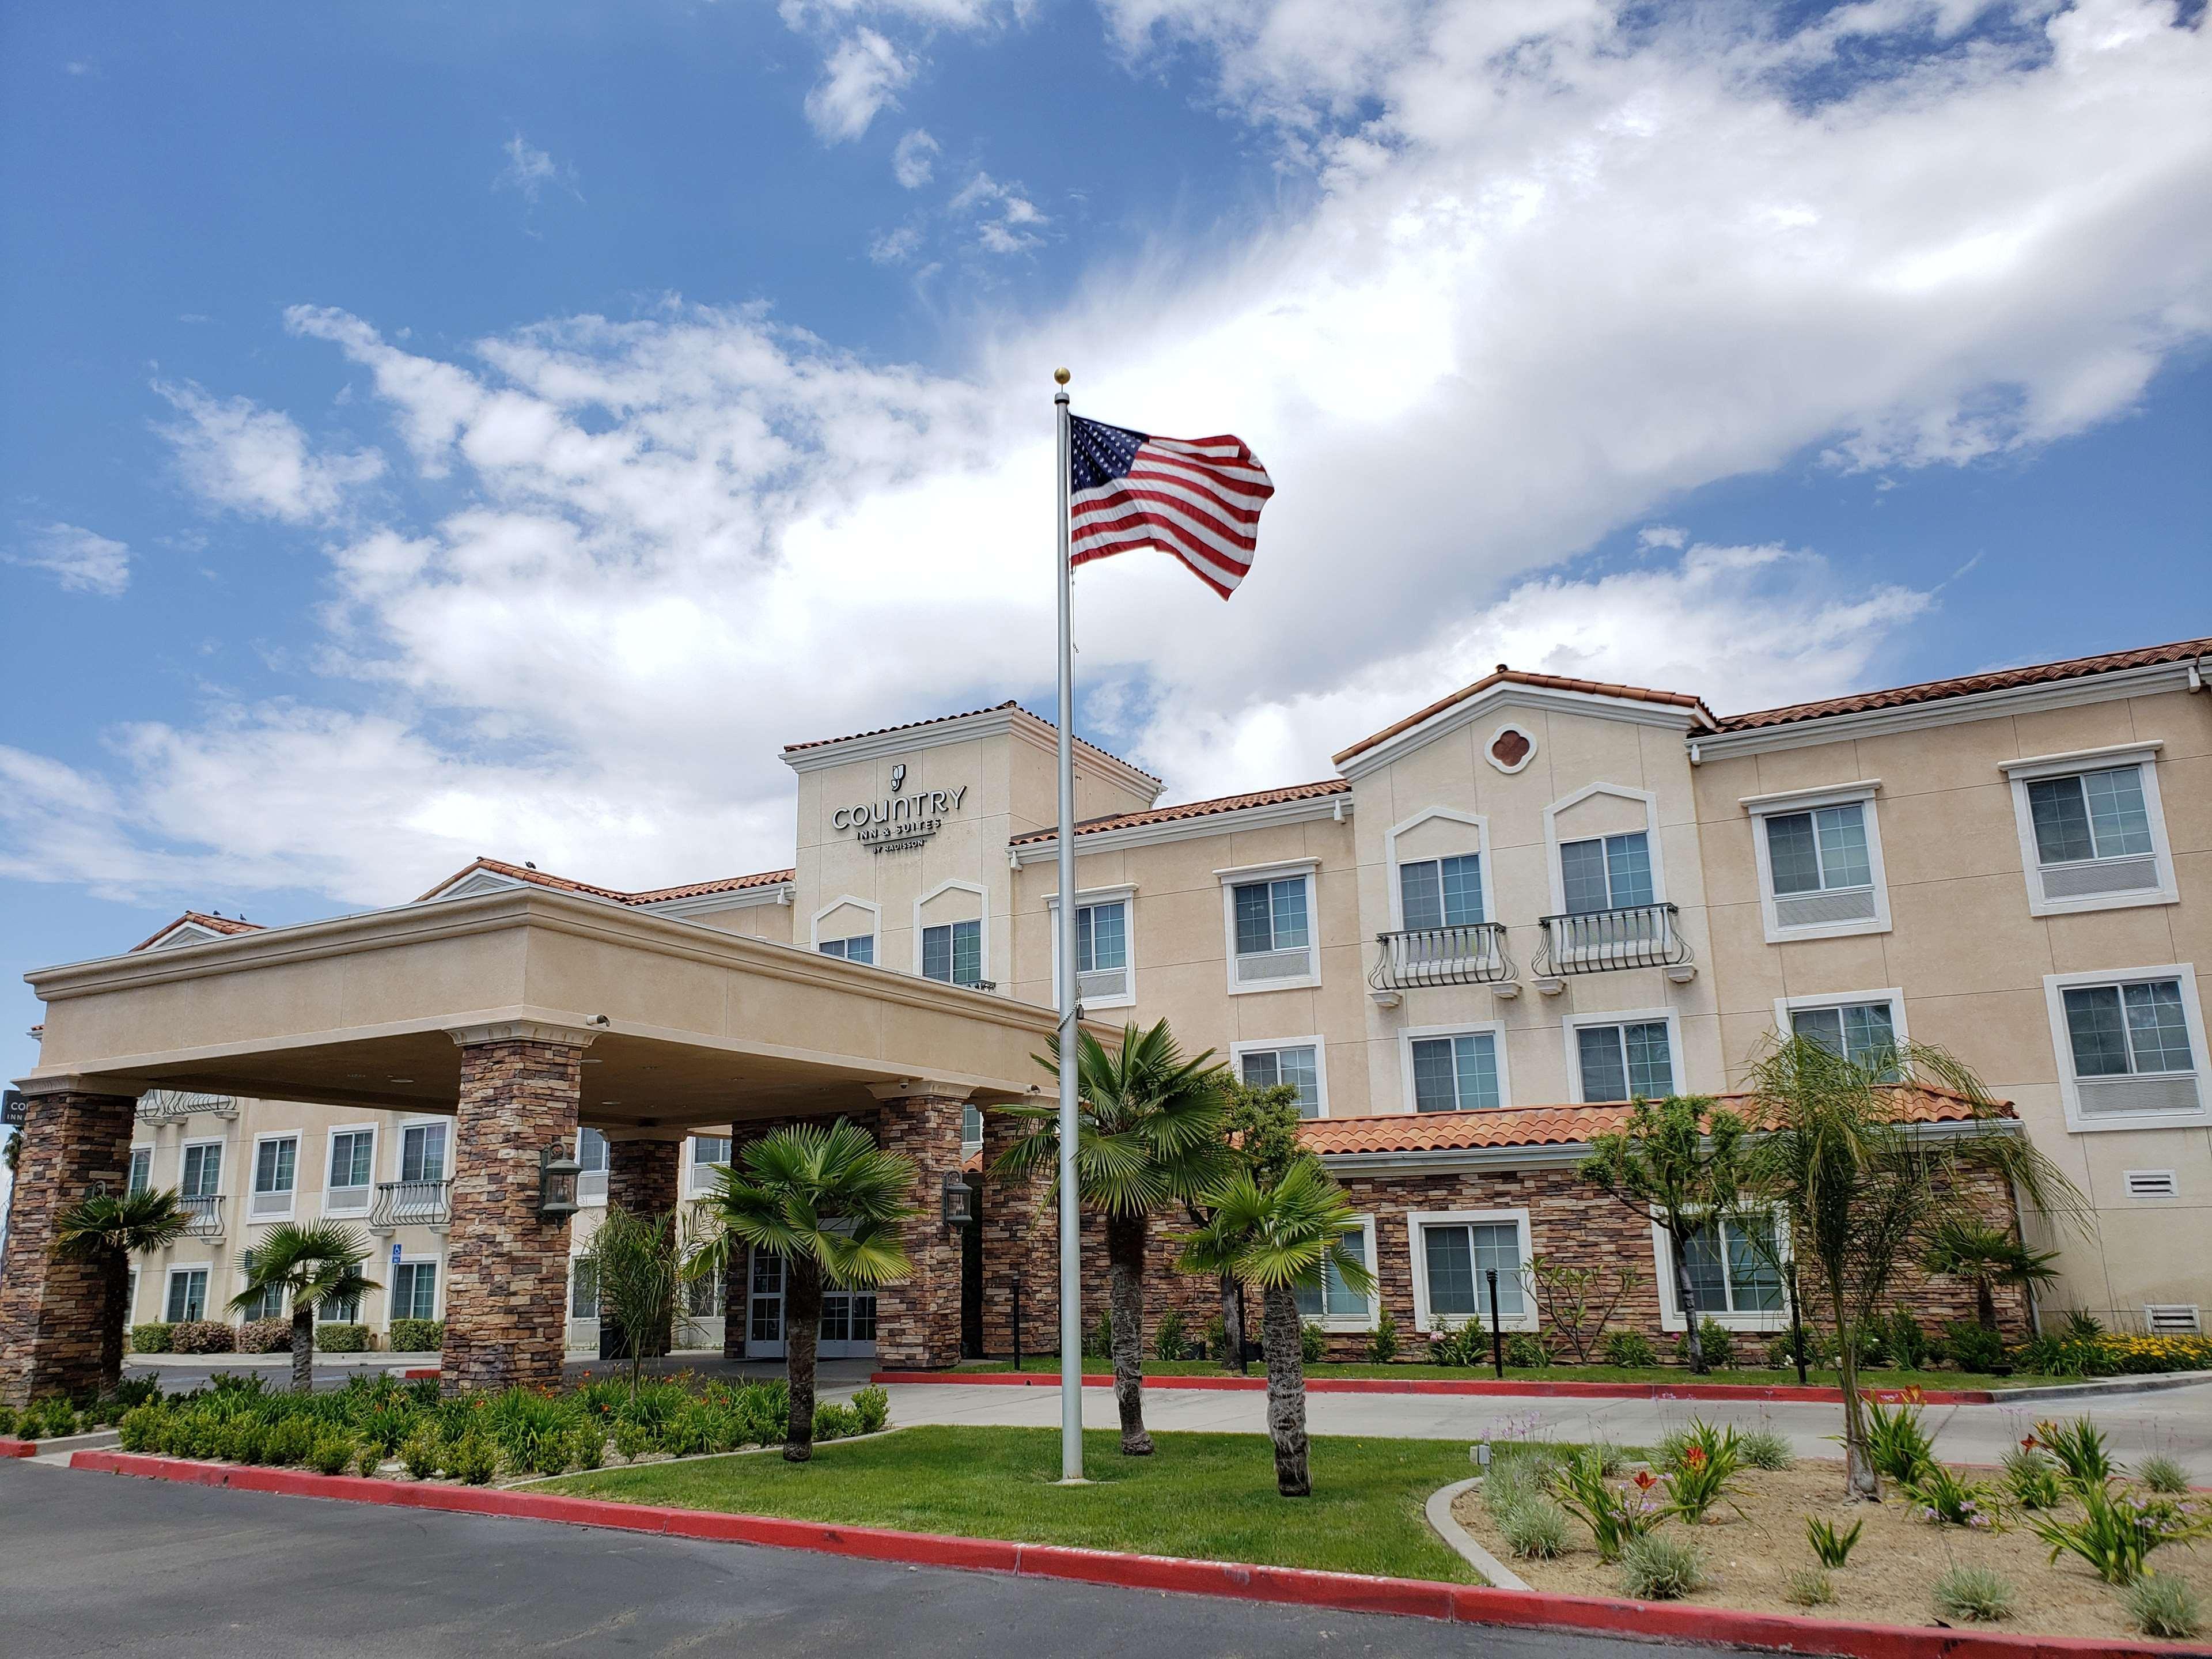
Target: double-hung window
[1455, 1072]
[421, 1196]
[2093, 835]
[415, 1290]
[583, 1290]
[2131, 1046]
[1102, 950]
[1296, 1065]
[1441, 892]
[860, 947]
[1333, 1303]
[953, 953]
[592, 1162]
[353, 1164]
[710, 1154]
[1733, 1271]
[1631, 1061]
[1453, 1255]
[1864, 1033]
[1271, 927]
[187, 1295]
[201, 1173]
[1820, 863]
[142, 1168]
[275, 1172]
[1607, 872]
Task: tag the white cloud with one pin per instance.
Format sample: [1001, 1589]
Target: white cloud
[895, 247]
[82, 561]
[861, 77]
[914, 162]
[250, 460]
[1662, 535]
[533, 171]
[1005, 220]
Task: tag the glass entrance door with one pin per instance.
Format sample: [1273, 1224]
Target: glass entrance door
[848, 1317]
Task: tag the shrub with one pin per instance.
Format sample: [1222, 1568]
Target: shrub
[632, 1442]
[265, 1336]
[2162, 1474]
[873, 1406]
[1716, 1340]
[834, 1422]
[2079, 1448]
[1765, 1449]
[331, 1454]
[152, 1338]
[1631, 1349]
[1831, 1548]
[2082, 1325]
[1171, 1338]
[203, 1336]
[1974, 1349]
[7, 1421]
[2033, 1477]
[421, 1455]
[1519, 1472]
[288, 1441]
[1946, 1500]
[1526, 1350]
[1897, 1444]
[418, 1335]
[1782, 1352]
[1910, 1348]
[1383, 1345]
[1214, 1338]
[1468, 1346]
[1616, 1516]
[2117, 1532]
[1976, 1594]
[473, 1459]
[2158, 1604]
[1808, 1586]
[367, 1460]
[1534, 1529]
[247, 1441]
[1313, 1343]
[587, 1446]
[141, 1430]
[341, 1339]
[1658, 1568]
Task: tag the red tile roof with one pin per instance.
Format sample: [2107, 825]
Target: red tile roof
[1008, 706]
[199, 919]
[1554, 1126]
[1505, 675]
[1966, 685]
[653, 896]
[1197, 809]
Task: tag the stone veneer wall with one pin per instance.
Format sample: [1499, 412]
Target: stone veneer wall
[1021, 1234]
[507, 1286]
[51, 1309]
[918, 1321]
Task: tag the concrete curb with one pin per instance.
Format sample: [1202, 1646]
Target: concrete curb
[1447, 1527]
[1528, 1389]
[92, 1441]
[1343, 1592]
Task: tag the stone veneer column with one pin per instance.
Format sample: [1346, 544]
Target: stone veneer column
[642, 1176]
[51, 1311]
[1021, 1235]
[507, 1270]
[918, 1322]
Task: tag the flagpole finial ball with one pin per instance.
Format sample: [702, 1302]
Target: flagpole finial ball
[1062, 376]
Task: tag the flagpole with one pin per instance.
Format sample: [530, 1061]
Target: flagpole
[1071, 1205]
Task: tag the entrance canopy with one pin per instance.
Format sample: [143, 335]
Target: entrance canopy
[690, 1025]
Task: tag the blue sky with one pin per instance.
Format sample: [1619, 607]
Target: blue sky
[436, 430]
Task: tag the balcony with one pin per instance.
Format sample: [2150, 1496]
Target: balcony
[411, 1204]
[173, 1105]
[1606, 941]
[1472, 953]
[206, 1215]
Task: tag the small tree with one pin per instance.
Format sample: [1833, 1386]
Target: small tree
[1263, 1130]
[1986, 1257]
[1577, 1302]
[1281, 1238]
[308, 1266]
[830, 1202]
[108, 1232]
[1678, 1162]
[639, 1278]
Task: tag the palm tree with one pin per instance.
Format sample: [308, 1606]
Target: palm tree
[1280, 1239]
[1863, 1191]
[1986, 1257]
[830, 1202]
[308, 1266]
[108, 1232]
[1150, 1131]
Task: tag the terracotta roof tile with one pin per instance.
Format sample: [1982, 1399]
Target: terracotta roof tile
[1009, 705]
[1966, 685]
[1197, 809]
[700, 889]
[1552, 1126]
[202, 919]
[653, 896]
[1504, 676]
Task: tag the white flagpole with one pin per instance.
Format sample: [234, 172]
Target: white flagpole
[1071, 1206]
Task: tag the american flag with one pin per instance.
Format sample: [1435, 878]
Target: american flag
[1199, 499]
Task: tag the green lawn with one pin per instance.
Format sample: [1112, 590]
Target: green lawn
[1662, 1375]
[1210, 1495]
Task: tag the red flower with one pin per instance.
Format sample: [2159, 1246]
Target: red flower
[1644, 1480]
[1695, 1457]
[2029, 1443]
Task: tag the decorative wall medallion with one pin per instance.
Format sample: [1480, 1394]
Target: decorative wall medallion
[1510, 749]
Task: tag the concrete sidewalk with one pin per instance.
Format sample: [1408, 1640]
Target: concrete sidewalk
[2175, 1421]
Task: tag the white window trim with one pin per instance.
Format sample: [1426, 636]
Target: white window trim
[1670, 1310]
[1784, 1006]
[1125, 894]
[1491, 743]
[1525, 1320]
[1479, 824]
[1570, 1024]
[2061, 1049]
[149, 1151]
[875, 913]
[253, 1176]
[169, 1280]
[687, 1173]
[330, 1146]
[1269, 1045]
[1367, 1321]
[1552, 842]
[981, 918]
[1496, 1031]
[416, 1259]
[2144, 758]
[1230, 880]
[1763, 807]
[223, 1158]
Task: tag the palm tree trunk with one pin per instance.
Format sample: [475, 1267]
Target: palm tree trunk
[1232, 1324]
[303, 1347]
[1986, 1302]
[1125, 1262]
[116, 1269]
[1682, 1300]
[1283, 1335]
[802, 1330]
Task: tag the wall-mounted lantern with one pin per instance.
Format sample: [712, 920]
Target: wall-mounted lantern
[959, 1200]
[556, 1183]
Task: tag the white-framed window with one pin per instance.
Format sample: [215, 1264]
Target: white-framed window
[1300, 1062]
[2130, 1047]
[592, 1163]
[199, 1170]
[1105, 946]
[703, 1298]
[130, 1297]
[351, 1181]
[423, 1152]
[971, 1128]
[1818, 852]
[860, 947]
[1631, 1055]
[583, 1290]
[709, 1154]
[1454, 1068]
[2092, 831]
[949, 947]
[1606, 872]
[267, 1303]
[338, 1311]
[1269, 912]
[1734, 1277]
[142, 1168]
[187, 1295]
[1442, 892]
[1453, 1251]
[1602, 858]
[1865, 1027]
[1334, 1305]
[275, 1176]
[413, 1289]
[847, 929]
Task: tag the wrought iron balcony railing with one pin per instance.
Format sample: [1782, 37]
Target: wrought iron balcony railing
[1472, 953]
[1603, 941]
[206, 1215]
[167, 1105]
[411, 1204]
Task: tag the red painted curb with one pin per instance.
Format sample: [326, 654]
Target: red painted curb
[1532, 1387]
[421, 1374]
[13, 1448]
[1343, 1592]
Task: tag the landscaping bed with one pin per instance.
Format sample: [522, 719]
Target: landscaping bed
[1659, 1376]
